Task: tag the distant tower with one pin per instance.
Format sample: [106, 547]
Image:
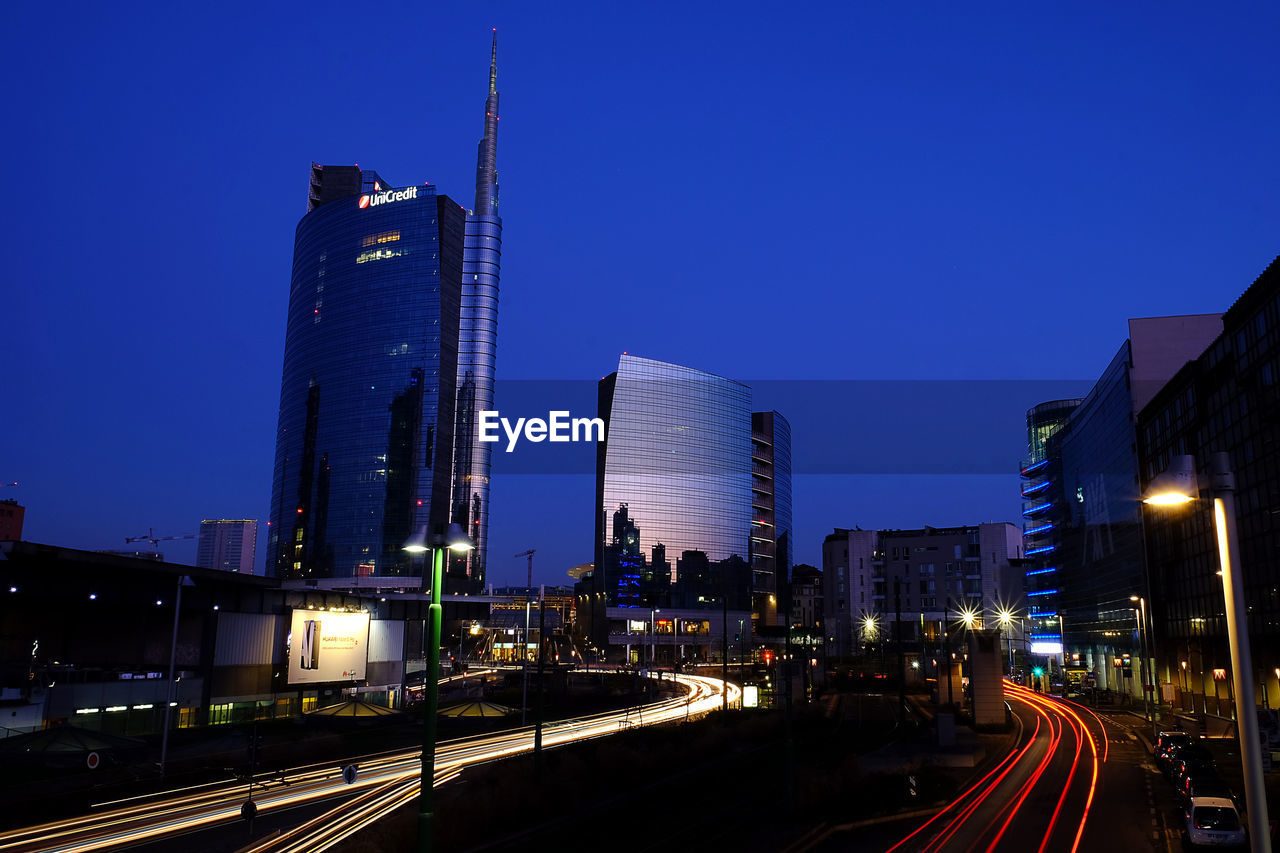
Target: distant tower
[478, 344]
[227, 544]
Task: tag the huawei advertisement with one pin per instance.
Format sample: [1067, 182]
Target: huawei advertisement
[327, 646]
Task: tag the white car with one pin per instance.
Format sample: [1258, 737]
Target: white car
[1213, 822]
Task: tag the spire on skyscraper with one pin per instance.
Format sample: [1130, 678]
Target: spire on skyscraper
[493, 65]
[487, 157]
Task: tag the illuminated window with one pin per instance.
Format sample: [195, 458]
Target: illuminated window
[377, 255]
[297, 535]
[378, 239]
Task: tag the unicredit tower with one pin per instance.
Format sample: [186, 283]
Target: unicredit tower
[391, 326]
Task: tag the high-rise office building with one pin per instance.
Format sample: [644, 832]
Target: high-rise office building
[365, 438]
[1227, 400]
[677, 455]
[771, 530]
[227, 544]
[392, 325]
[673, 508]
[1090, 518]
[477, 346]
[1043, 505]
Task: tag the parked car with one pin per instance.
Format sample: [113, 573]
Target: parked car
[1184, 768]
[1208, 786]
[1165, 739]
[1198, 776]
[1213, 822]
[1169, 759]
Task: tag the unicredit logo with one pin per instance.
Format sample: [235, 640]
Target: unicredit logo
[388, 196]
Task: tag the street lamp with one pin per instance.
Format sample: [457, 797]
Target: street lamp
[1140, 614]
[454, 539]
[1005, 617]
[1178, 485]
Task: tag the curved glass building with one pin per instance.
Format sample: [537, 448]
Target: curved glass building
[478, 346]
[673, 474]
[365, 437]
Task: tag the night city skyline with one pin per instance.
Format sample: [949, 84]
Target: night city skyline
[850, 196]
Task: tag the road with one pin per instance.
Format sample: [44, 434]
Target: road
[1073, 781]
[328, 810]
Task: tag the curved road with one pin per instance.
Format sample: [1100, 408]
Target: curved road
[385, 782]
[1040, 797]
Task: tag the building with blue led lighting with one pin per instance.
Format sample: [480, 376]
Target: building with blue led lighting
[1042, 510]
[1082, 519]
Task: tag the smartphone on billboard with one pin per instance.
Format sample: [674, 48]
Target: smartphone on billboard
[309, 653]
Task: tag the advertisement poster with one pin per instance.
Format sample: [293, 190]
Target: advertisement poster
[327, 646]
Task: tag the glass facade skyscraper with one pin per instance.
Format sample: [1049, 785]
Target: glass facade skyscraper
[477, 347]
[1082, 519]
[677, 459]
[365, 437]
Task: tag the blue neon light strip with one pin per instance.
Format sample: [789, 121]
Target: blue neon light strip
[1042, 592]
[1046, 614]
[1046, 636]
[1044, 550]
[1036, 467]
[1038, 487]
[1034, 531]
[1043, 571]
[1027, 513]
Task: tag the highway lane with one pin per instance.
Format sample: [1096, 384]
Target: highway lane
[385, 781]
[1040, 797]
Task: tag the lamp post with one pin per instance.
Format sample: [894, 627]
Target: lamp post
[453, 539]
[1177, 486]
[1005, 616]
[1144, 670]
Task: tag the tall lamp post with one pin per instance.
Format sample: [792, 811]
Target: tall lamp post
[1148, 668]
[1178, 485]
[454, 539]
[1005, 617]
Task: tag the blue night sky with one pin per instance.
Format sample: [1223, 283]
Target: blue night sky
[797, 192]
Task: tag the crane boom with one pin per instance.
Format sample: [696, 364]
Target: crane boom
[154, 539]
[529, 554]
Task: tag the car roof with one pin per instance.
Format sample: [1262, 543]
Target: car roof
[1212, 802]
[1210, 783]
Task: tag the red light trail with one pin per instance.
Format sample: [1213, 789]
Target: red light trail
[1025, 800]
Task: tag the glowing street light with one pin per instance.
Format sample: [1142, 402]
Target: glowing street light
[454, 539]
[1178, 485]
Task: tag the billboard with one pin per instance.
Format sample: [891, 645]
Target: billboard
[327, 645]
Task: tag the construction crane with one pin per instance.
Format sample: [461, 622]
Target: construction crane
[154, 539]
[529, 554]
